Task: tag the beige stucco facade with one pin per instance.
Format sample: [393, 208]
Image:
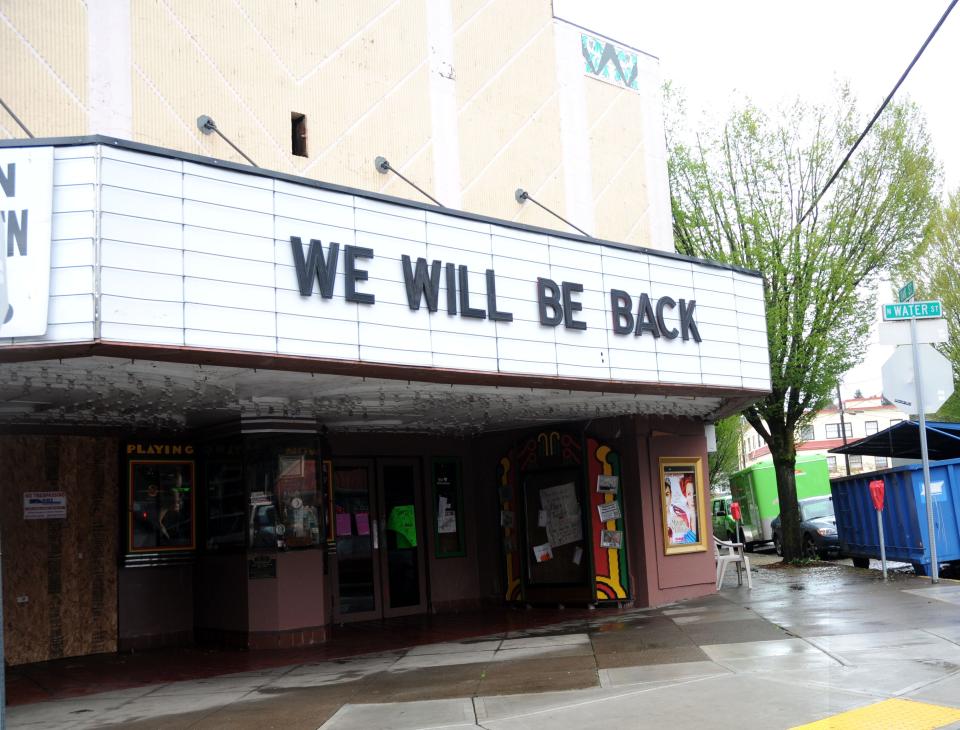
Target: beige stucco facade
[471, 99]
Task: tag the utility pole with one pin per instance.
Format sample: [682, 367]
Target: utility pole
[843, 428]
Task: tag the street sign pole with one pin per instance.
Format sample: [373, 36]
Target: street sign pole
[883, 547]
[921, 412]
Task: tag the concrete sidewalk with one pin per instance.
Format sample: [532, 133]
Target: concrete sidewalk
[803, 645]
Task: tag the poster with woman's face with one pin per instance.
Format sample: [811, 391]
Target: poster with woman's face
[161, 506]
[681, 505]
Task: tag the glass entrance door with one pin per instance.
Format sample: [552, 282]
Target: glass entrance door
[379, 565]
[402, 553]
[356, 593]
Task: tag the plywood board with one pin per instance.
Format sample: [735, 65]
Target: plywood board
[60, 576]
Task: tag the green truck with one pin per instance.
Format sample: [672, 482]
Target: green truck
[755, 488]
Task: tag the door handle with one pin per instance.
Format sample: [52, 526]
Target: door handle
[376, 534]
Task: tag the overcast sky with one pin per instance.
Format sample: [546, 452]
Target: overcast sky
[774, 52]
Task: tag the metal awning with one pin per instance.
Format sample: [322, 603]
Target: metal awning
[902, 441]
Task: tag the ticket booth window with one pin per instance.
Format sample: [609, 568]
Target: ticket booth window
[282, 478]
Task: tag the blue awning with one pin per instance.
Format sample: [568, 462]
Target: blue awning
[902, 441]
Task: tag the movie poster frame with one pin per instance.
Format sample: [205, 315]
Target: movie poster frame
[695, 467]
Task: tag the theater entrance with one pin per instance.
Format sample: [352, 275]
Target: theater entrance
[378, 568]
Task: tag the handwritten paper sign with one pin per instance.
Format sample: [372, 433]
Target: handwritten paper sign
[563, 514]
[609, 511]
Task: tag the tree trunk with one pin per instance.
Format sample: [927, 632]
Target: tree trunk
[784, 451]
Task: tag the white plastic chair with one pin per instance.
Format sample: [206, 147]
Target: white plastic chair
[727, 553]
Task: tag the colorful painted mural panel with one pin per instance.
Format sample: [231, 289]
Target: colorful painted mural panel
[606, 519]
[606, 61]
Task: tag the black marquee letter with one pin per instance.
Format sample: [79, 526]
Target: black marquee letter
[351, 274]
[451, 288]
[465, 309]
[570, 306]
[421, 285]
[548, 295]
[687, 325]
[495, 315]
[646, 321]
[620, 305]
[662, 303]
[315, 264]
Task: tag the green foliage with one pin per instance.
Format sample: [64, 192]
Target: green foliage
[726, 459]
[738, 193]
[936, 272]
[950, 411]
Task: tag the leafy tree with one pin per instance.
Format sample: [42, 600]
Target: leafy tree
[937, 274]
[726, 459]
[738, 193]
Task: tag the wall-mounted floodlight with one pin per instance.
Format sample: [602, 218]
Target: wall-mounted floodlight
[206, 125]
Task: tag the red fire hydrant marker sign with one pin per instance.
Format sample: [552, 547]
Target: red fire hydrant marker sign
[876, 493]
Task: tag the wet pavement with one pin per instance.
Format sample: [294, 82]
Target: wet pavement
[805, 644]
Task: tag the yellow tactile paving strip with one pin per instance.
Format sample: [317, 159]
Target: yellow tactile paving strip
[889, 715]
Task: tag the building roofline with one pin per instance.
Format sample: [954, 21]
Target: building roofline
[98, 139]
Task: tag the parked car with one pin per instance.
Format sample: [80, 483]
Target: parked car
[755, 488]
[818, 527]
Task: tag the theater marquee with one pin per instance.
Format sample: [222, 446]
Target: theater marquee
[153, 247]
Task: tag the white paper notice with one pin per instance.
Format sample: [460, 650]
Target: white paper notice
[44, 505]
[543, 553]
[563, 514]
[447, 522]
[609, 511]
[611, 539]
[607, 483]
[577, 555]
[542, 518]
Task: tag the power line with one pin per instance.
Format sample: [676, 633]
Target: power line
[883, 106]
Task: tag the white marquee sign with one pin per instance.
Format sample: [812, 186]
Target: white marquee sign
[179, 253]
[26, 184]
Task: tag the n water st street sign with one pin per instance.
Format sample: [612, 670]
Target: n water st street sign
[912, 310]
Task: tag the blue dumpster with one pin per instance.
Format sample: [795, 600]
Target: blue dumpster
[904, 514]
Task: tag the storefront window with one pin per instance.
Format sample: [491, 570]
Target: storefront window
[226, 505]
[282, 479]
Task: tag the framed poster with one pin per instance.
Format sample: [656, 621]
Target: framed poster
[683, 505]
[162, 506]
